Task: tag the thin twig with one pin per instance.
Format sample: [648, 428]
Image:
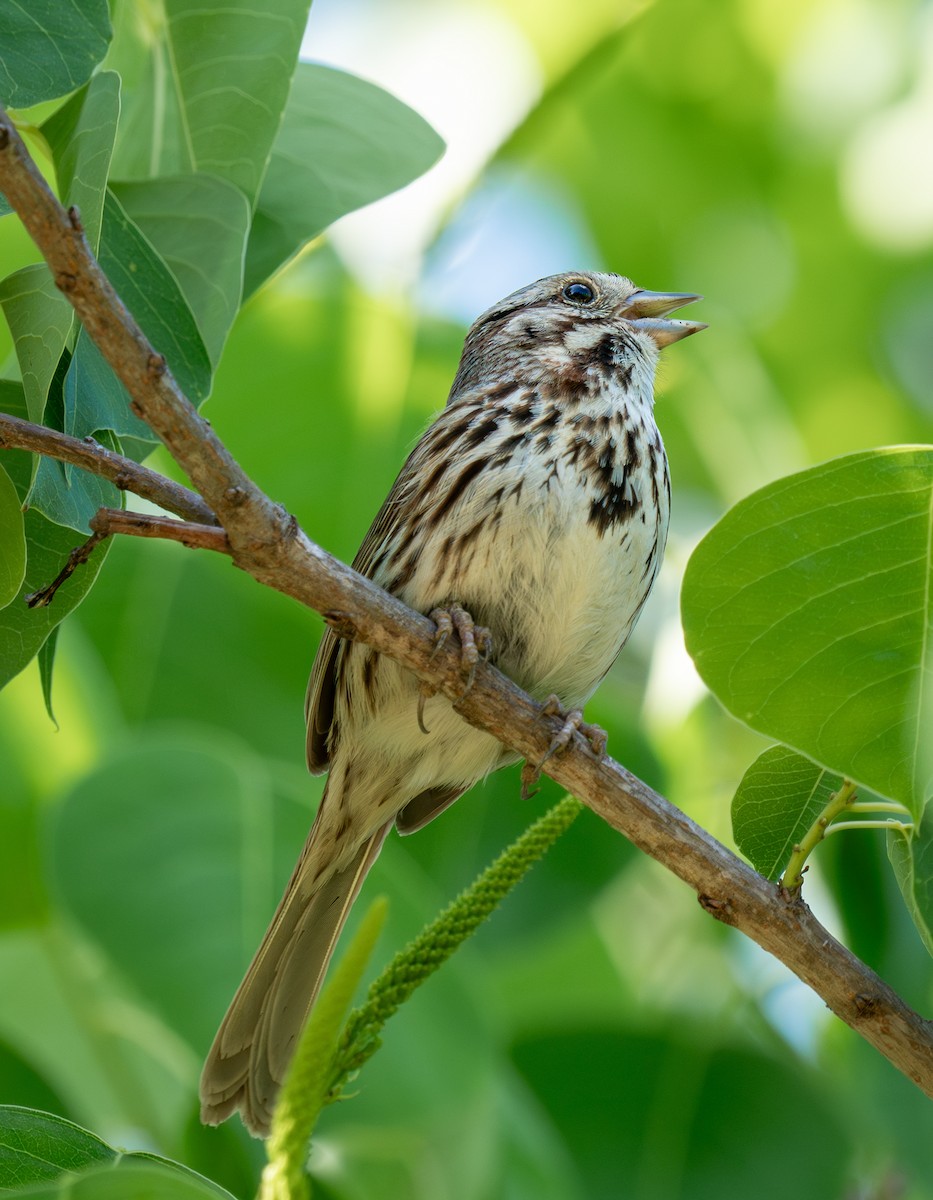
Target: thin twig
[269, 544]
[109, 521]
[129, 476]
[77, 558]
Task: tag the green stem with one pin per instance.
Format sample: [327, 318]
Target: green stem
[435, 944]
[900, 826]
[877, 806]
[838, 803]
[306, 1083]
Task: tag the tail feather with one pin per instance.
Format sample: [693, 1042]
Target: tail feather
[247, 1062]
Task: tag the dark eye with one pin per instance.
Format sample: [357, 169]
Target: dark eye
[579, 293]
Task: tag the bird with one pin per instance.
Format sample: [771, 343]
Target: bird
[530, 519]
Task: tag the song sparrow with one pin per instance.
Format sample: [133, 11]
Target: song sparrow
[537, 504]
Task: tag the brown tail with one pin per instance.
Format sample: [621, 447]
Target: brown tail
[247, 1062]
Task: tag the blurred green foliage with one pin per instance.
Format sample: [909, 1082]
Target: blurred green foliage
[601, 1037]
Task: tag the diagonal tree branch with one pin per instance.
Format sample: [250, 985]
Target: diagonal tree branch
[265, 541]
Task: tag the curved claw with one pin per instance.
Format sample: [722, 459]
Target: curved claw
[573, 723]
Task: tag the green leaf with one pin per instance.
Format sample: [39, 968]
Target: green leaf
[12, 540]
[232, 65]
[194, 831]
[343, 143]
[911, 855]
[807, 610]
[36, 1146]
[70, 498]
[24, 630]
[150, 292]
[669, 1106]
[81, 135]
[131, 1180]
[39, 1147]
[198, 224]
[40, 319]
[46, 666]
[49, 47]
[780, 796]
[94, 399]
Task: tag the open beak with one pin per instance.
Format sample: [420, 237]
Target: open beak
[647, 311]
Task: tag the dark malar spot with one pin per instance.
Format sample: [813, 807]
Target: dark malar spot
[604, 352]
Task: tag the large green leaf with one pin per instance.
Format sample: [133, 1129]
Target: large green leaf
[39, 1148]
[808, 609]
[150, 292]
[81, 135]
[49, 47]
[12, 540]
[40, 319]
[68, 495]
[218, 77]
[175, 890]
[669, 1108]
[94, 399]
[36, 1146]
[231, 66]
[343, 143]
[198, 224]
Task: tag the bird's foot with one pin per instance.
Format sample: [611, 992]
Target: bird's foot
[475, 645]
[475, 640]
[572, 723]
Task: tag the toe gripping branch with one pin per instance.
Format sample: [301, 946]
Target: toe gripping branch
[572, 723]
[475, 646]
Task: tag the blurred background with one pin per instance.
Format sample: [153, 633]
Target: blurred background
[601, 1036]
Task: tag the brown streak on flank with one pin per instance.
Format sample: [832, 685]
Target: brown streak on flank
[480, 432]
[496, 394]
[446, 436]
[508, 446]
[457, 488]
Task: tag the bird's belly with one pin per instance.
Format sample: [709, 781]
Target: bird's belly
[560, 594]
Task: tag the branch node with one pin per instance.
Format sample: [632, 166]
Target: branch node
[865, 1005]
[74, 217]
[156, 366]
[343, 625]
[235, 495]
[66, 282]
[720, 909]
[4, 135]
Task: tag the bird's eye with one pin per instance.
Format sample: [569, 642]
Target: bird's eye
[579, 293]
